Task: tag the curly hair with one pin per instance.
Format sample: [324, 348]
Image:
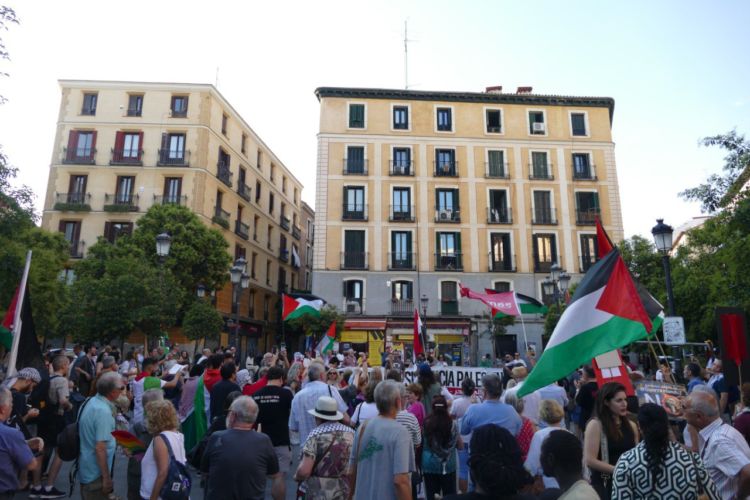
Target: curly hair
[495, 461]
[654, 424]
[161, 416]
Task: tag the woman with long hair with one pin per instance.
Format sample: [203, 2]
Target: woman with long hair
[164, 427]
[458, 410]
[430, 386]
[658, 465]
[608, 435]
[441, 438]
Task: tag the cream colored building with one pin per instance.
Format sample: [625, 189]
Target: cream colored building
[418, 191]
[122, 147]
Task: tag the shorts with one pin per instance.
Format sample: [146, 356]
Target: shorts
[463, 463]
[284, 454]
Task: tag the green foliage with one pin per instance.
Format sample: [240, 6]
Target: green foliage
[310, 325]
[202, 321]
[645, 264]
[553, 316]
[72, 207]
[120, 207]
[220, 221]
[500, 325]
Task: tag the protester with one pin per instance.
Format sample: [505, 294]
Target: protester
[97, 446]
[458, 410]
[486, 361]
[383, 455]
[16, 457]
[147, 380]
[167, 441]
[692, 373]
[326, 454]
[212, 374]
[84, 370]
[561, 458]
[530, 401]
[723, 450]
[140, 431]
[414, 394]
[52, 420]
[107, 364]
[551, 414]
[608, 435]
[554, 391]
[441, 440]
[528, 428]
[430, 387]
[221, 389]
[491, 410]
[657, 466]
[411, 424]
[366, 409]
[585, 398]
[238, 460]
[300, 420]
[742, 420]
[720, 387]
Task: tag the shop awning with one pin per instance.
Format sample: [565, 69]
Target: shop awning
[364, 324]
[355, 337]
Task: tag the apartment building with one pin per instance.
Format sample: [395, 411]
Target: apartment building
[308, 233]
[121, 147]
[418, 191]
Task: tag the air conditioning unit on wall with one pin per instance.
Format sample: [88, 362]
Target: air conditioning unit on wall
[353, 307]
[537, 127]
[445, 214]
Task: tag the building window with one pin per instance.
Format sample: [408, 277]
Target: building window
[179, 106]
[256, 222]
[268, 272]
[135, 104]
[257, 192]
[445, 163]
[89, 103]
[127, 147]
[545, 252]
[239, 251]
[501, 253]
[124, 190]
[402, 290]
[501, 286]
[81, 147]
[589, 251]
[402, 256]
[296, 196]
[283, 184]
[496, 164]
[540, 169]
[353, 296]
[269, 236]
[356, 116]
[243, 143]
[71, 230]
[401, 164]
[113, 230]
[448, 251]
[494, 121]
[77, 189]
[587, 207]
[355, 256]
[578, 124]
[447, 205]
[355, 160]
[172, 190]
[448, 298]
[251, 304]
[308, 256]
[259, 159]
[536, 123]
[401, 208]
[272, 175]
[271, 203]
[308, 281]
[400, 117]
[582, 168]
[354, 203]
[543, 211]
[172, 150]
[444, 119]
[224, 121]
[266, 306]
[499, 211]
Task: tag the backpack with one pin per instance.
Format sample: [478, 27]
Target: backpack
[40, 398]
[68, 441]
[177, 484]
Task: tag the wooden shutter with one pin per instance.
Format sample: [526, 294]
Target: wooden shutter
[119, 142]
[108, 232]
[72, 143]
[553, 247]
[140, 145]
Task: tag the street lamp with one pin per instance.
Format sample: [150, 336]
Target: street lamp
[163, 244]
[557, 283]
[240, 281]
[663, 239]
[201, 291]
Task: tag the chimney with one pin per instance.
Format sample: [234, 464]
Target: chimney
[497, 89]
[524, 90]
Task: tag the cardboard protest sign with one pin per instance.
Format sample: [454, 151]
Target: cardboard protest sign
[668, 396]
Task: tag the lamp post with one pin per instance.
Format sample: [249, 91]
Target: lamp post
[201, 291]
[557, 283]
[663, 239]
[240, 280]
[163, 244]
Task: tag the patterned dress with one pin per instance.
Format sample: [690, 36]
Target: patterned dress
[328, 480]
[525, 436]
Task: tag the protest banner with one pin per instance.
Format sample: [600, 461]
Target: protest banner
[451, 377]
[668, 396]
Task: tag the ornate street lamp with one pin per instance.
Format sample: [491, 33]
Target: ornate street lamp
[163, 244]
[663, 240]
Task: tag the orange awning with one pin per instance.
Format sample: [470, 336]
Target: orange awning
[364, 324]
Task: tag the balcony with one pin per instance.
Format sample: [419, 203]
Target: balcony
[296, 232]
[542, 266]
[584, 173]
[496, 170]
[77, 249]
[403, 261]
[170, 200]
[447, 215]
[402, 307]
[587, 217]
[73, 202]
[284, 254]
[121, 202]
[221, 217]
[131, 157]
[244, 191]
[242, 230]
[544, 216]
[354, 211]
[446, 169]
[449, 261]
[401, 213]
[173, 158]
[499, 215]
[541, 172]
[284, 222]
[401, 168]
[449, 307]
[79, 156]
[354, 166]
[586, 263]
[223, 173]
[134, 112]
[353, 260]
[497, 265]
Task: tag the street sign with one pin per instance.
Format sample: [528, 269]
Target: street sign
[674, 330]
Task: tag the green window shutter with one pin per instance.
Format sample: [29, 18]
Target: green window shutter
[458, 242]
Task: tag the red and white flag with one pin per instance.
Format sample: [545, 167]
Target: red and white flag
[418, 349]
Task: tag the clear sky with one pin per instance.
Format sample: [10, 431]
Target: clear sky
[678, 70]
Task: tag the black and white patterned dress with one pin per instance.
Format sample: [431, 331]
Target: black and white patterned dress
[679, 476]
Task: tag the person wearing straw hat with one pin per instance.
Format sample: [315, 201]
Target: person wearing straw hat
[325, 453]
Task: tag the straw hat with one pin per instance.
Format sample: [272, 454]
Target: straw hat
[326, 408]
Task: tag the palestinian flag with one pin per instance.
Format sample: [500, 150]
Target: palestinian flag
[527, 305]
[29, 352]
[606, 313]
[294, 308]
[194, 419]
[326, 343]
[6, 329]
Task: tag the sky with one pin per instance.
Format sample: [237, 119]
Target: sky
[678, 70]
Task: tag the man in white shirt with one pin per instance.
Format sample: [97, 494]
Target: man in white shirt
[299, 419]
[723, 449]
[530, 401]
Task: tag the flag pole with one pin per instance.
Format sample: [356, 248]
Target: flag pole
[17, 319]
[523, 324]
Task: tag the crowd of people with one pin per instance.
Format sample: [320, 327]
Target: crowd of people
[340, 429]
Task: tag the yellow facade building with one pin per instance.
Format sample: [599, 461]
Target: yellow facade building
[121, 147]
[419, 191]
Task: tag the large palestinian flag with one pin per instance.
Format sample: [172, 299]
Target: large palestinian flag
[294, 308]
[606, 313]
[193, 417]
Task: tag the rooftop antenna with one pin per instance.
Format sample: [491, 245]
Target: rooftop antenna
[406, 55]
[216, 80]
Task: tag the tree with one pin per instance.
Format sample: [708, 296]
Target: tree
[202, 321]
[310, 325]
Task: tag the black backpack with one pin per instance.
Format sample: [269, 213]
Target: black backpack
[40, 398]
[68, 441]
[177, 484]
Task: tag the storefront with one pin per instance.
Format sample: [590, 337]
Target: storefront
[448, 337]
[364, 335]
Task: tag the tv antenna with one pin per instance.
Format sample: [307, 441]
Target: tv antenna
[406, 54]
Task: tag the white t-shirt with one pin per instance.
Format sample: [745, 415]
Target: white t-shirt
[364, 411]
[533, 459]
[149, 470]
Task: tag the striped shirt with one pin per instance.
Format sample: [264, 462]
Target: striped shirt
[412, 425]
[724, 452]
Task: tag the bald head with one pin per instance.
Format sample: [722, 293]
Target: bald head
[701, 408]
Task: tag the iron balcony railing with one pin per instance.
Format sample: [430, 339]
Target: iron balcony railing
[588, 216]
[284, 222]
[405, 261]
[284, 254]
[73, 202]
[541, 172]
[296, 232]
[242, 230]
[402, 307]
[546, 216]
[353, 260]
[79, 156]
[449, 261]
[170, 200]
[133, 157]
[587, 262]
[223, 173]
[121, 202]
[447, 215]
[494, 170]
[244, 191]
[135, 111]
[499, 265]
[77, 249]
[354, 166]
[401, 168]
[223, 215]
[354, 211]
[446, 168]
[584, 172]
[401, 213]
[542, 266]
[174, 158]
[499, 215]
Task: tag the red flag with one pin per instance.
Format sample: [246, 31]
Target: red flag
[504, 302]
[734, 338]
[418, 349]
[6, 334]
[603, 242]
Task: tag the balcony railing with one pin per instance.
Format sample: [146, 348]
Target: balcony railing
[355, 167]
[543, 172]
[244, 191]
[545, 216]
[221, 217]
[499, 215]
[405, 261]
[242, 230]
[284, 222]
[401, 168]
[223, 173]
[449, 261]
[353, 260]
[586, 263]
[447, 215]
[584, 173]
[134, 112]
[449, 307]
[73, 202]
[174, 158]
[587, 217]
[506, 265]
[77, 249]
[402, 307]
[496, 170]
[284, 254]
[170, 200]
[121, 202]
[354, 211]
[446, 168]
[79, 156]
[296, 232]
[542, 266]
[401, 213]
[127, 157]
